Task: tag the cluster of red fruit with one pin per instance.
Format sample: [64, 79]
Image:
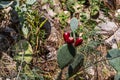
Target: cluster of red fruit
[70, 40]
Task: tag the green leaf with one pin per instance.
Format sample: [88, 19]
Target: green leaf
[93, 44]
[114, 59]
[4, 4]
[28, 71]
[23, 51]
[65, 55]
[74, 24]
[70, 4]
[30, 2]
[25, 31]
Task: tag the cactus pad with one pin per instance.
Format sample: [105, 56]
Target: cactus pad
[65, 55]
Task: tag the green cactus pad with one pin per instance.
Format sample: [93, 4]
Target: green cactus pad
[114, 59]
[74, 24]
[65, 55]
[76, 64]
[117, 76]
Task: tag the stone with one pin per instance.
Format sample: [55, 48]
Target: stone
[115, 36]
[107, 26]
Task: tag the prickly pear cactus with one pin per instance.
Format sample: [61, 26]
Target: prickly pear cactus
[65, 55]
[74, 24]
[76, 64]
[114, 60]
[117, 76]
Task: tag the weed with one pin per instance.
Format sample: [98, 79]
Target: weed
[63, 18]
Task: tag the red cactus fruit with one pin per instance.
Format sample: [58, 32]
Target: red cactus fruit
[78, 42]
[70, 40]
[66, 36]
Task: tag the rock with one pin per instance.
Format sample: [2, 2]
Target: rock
[107, 26]
[102, 17]
[115, 36]
[50, 11]
[114, 46]
[91, 71]
[52, 55]
[106, 29]
[7, 79]
[117, 13]
[8, 9]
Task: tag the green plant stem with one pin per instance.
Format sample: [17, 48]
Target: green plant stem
[74, 35]
[41, 25]
[21, 64]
